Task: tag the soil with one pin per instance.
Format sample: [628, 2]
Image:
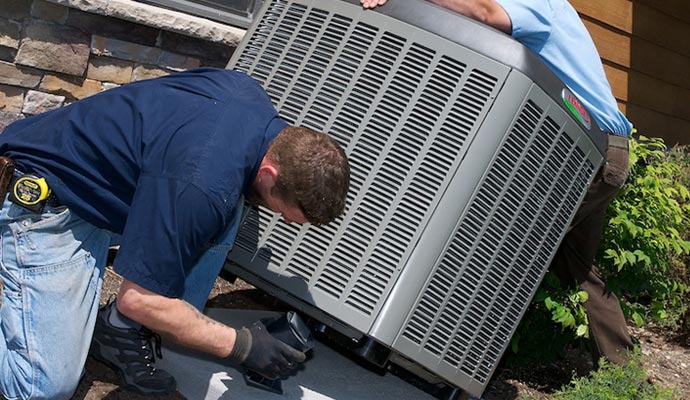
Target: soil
[667, 361]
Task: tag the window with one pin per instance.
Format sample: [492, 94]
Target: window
[234, 12]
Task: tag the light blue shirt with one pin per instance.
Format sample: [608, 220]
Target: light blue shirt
[554, 32]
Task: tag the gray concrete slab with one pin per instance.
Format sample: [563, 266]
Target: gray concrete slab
[327, 375]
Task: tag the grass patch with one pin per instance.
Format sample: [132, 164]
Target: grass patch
[614, 382]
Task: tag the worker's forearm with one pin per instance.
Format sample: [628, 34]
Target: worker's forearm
[195, 330]
[176, 319]
[486, 11]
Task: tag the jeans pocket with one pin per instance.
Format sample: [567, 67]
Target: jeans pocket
[17, 369]
[13, 320]
[43, 324]
[56, 237]
[616, 169]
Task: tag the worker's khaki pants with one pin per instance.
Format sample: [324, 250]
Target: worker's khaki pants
[573, 262]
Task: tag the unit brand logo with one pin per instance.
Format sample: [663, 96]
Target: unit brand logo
[576, 108]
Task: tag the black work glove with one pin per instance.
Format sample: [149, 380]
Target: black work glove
[257, 350]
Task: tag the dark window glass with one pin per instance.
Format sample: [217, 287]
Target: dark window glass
[234, 12]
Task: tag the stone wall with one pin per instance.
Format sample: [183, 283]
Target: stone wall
[52, 54]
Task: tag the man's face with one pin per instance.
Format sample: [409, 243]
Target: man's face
[289, 212]
[264, 194]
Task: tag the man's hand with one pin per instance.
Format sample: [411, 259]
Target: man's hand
[488, 12]
[372, 3]
[260, 352]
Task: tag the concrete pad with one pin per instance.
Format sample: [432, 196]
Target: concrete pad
[327, 375]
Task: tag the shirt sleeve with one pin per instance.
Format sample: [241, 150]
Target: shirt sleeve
[169, 226]
[531, 20]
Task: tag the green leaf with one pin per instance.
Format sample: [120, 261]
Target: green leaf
[641, 256]
[684, 192]
[670, 192]
[550, 304]
[569, 321]
[582, 330]
[676, 247]
[685, 245]
[630, 257]
[639, 321]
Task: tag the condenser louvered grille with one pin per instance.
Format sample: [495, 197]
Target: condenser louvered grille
[402, 110]
[465, 173]
[480, 288]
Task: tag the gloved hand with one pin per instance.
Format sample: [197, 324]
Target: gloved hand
[260, 352]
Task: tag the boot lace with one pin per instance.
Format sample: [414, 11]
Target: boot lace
[151, 346]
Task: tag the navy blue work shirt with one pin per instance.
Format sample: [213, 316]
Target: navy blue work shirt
[162, 162]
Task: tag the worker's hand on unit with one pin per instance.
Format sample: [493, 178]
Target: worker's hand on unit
[372, 3]
[257, 350]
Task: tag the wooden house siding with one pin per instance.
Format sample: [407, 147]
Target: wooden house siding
[645, 47]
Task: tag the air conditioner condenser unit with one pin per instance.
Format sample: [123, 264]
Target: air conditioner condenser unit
[468, 165]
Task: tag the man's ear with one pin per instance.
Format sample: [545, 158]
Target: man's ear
[268, 173]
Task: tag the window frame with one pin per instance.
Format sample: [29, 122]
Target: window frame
[202, 8]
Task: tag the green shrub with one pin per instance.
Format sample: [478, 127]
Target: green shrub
[647, 222]
[643, 256]
[614, 382]
[555, 319]
[679, 322]
[680, 156]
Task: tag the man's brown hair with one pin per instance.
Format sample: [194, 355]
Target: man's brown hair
[313, 173]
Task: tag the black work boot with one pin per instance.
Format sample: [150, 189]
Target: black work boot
[131, 353]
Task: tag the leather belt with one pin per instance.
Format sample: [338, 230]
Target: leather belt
[619, 141]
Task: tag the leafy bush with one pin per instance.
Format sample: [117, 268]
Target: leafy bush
[614, 382]
[555, 319]
[643, 256]
[680, 263]
[680, 156]
[647, 222]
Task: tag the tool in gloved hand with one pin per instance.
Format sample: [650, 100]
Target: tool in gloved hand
[291, 330]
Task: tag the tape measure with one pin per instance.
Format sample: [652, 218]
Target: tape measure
[30, 192]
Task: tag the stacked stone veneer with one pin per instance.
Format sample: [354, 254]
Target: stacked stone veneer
[51, 55]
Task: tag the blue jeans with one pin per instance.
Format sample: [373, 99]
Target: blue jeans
[201, 278]
[52, 270]
[51, 266]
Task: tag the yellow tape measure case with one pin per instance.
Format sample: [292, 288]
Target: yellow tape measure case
[30, 192]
